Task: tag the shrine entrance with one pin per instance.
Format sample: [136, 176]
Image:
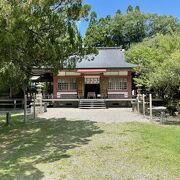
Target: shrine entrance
[92, 87]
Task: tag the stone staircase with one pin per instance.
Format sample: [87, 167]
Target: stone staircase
[92, 104]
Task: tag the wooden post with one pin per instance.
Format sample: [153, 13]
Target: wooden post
[25, 107]
[8, 118]
[144, 104]
[162, 118]
[150, 106]
[178, 106]
[45, 107]
[34, 107]
[138, 103]
[14, 104]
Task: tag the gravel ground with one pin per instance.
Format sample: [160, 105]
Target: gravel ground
[99, 115]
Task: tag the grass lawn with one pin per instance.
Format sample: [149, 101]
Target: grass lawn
[61, 149]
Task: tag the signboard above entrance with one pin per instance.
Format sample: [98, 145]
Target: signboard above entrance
[92, 80]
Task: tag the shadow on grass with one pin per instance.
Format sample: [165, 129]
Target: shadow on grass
[23, 146]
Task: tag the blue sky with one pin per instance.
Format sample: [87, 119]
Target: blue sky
[109, 7]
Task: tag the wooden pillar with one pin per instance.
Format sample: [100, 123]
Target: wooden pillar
[80, 87]
[55, 86]
[103, 86]
[129, 83]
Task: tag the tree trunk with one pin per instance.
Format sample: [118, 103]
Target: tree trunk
[25, 104]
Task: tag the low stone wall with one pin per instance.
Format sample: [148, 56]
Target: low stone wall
[118, 104]
[67, 104]
[115, 96]
[68, 96]
[109, 104]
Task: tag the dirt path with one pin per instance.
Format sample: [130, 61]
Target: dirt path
[99, 115]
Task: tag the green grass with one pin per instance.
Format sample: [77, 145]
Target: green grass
[61, 149]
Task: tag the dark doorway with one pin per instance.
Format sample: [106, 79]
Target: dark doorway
[92, 88]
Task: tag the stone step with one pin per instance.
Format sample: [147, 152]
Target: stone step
[92, 101]
[92, 107]
[92, 104]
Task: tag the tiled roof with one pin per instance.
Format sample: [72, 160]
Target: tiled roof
[107, 58]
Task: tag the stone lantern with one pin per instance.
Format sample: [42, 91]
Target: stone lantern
[38, 100]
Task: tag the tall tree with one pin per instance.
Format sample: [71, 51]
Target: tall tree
[128, 28]
[129, 9]
[90, 37]
[158, 64]
[40, 33]
[160, 24]
[99, 32]
[131, 27]
[118, 12]
[137, 9]
[166, 78]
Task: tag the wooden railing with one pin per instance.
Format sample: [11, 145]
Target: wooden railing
[11, 103]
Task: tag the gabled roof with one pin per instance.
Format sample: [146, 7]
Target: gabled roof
[107, 58]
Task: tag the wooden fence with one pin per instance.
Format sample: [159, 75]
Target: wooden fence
[11, 103]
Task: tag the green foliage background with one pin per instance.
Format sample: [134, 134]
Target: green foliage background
[158, 63]
[126, 29]
[38, 33]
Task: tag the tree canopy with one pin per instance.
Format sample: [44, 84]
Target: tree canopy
[39, 33]
[126, 29]
[158, 63]
[152, 41]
